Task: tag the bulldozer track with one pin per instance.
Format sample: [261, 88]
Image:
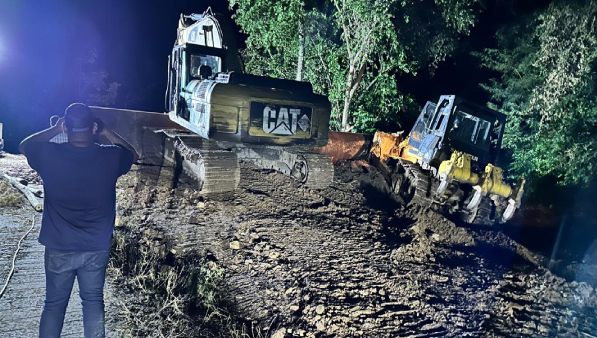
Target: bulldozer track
[420, 181]
[482, 215]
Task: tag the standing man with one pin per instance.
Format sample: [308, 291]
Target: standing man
[79, 179]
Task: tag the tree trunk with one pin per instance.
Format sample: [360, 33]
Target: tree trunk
[347, 100]
[352, 84]
[301, 53]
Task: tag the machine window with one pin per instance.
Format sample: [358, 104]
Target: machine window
[205, 64]
[471, 129]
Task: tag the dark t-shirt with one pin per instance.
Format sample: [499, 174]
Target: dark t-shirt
[80, 193]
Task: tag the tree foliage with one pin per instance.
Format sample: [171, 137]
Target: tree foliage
[352, 50]
[92, 86]
[547, 87]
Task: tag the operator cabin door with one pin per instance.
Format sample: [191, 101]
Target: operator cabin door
[437, 131]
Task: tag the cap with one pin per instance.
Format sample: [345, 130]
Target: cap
[78, 118]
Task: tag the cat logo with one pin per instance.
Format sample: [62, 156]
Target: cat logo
[272, 119]
[284, 121]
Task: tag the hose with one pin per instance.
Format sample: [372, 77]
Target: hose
[14, 258]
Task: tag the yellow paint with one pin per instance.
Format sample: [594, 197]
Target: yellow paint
[493, 183]
[386, 146]
[458, 168]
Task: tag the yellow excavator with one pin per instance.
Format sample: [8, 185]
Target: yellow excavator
[448, 162]
[218, 116]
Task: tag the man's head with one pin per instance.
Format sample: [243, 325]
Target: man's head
[80, 125]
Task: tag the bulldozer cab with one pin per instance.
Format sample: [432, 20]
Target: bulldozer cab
[456, 124]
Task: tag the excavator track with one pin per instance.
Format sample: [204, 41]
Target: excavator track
[320, 170]
[215, 170]
[215, 165]
[315, 171]
[169, 153]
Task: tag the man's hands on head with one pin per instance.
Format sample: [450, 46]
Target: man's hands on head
[56, 121]
[100, 126]
[44, 135]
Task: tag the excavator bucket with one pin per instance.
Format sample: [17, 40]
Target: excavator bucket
[346, 146]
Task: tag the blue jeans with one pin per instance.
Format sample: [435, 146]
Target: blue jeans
[61, 269]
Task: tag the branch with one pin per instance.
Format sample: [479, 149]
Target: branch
[357, 81]
[30, 193]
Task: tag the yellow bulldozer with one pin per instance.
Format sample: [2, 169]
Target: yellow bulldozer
[448, 162]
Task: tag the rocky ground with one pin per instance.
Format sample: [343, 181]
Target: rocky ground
[348, 261]
[274, 259]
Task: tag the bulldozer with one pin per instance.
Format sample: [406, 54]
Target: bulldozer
[218, 116]
[448, 162]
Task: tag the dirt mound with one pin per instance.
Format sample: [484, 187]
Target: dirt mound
[432, 236]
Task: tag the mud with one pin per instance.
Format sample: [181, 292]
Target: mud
[349, 261]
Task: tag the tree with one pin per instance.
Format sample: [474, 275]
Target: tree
[92, 86]
[547, 87]
[351, 50]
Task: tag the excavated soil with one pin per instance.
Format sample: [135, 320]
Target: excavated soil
[349, 261]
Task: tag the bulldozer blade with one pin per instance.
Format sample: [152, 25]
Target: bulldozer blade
[130, 124]
[386, 145]
[346, 146]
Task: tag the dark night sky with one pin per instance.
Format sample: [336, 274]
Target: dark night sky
[40, 41]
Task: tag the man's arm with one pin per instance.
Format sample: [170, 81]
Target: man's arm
[42, 136]
[119, 141]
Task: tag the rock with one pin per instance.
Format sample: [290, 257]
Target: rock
[281, 333]
[201, 205]
[320, 309]
[320, 326]
[193, 220]
[235, 245]
[295, 308]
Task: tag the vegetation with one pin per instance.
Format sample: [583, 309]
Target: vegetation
[174, 298]
[352, 50]
[9, 197]
[547, 85]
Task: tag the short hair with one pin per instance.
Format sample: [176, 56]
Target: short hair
[78, 118]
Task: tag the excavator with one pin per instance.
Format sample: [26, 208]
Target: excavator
[448, 162]
[217, 116]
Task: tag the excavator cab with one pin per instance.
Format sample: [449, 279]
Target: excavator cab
[219, 102]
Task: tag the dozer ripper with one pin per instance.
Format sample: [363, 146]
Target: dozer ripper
[447, 162]
[222, 116]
